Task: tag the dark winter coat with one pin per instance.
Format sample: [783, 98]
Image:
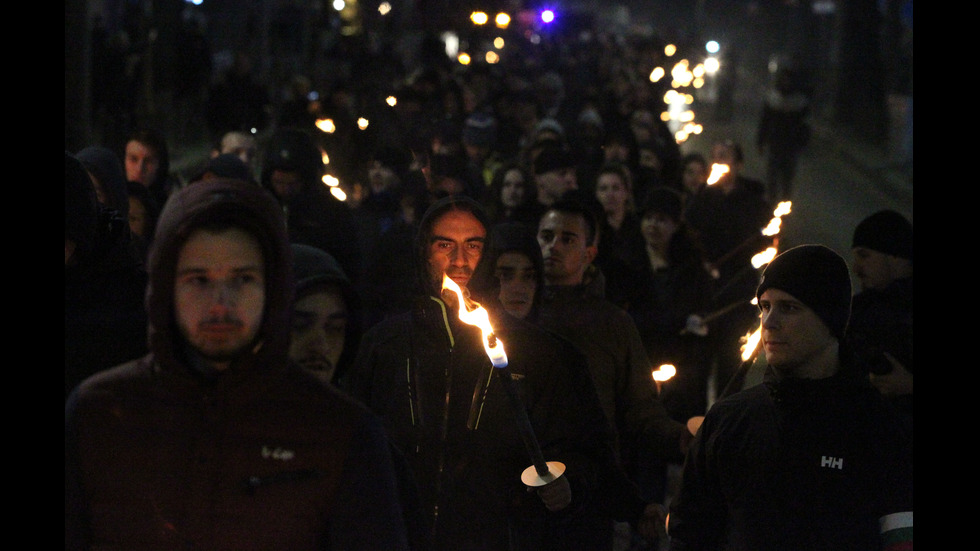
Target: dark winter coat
[794, 464]
[163, 454]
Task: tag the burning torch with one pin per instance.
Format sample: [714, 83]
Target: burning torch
[540, 472]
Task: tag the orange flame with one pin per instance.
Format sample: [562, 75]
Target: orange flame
[751, 343]
[717, 171]
[664, 372]
[479, 317]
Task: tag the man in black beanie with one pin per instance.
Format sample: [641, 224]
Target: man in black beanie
[812, 458]
[881, 321]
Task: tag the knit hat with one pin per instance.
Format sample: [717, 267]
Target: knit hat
[816, 276]
[885, 231]
[228, 165]
[552, 158]
[663, 200]
[313, 266]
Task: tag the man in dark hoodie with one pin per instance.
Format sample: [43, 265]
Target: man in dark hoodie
[445, 405]
[216, 439]
[326, 329]
[105, 321]
[811, 459]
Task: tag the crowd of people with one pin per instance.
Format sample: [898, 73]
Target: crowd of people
[253, 362]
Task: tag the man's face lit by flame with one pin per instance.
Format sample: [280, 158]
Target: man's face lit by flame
[455, 247]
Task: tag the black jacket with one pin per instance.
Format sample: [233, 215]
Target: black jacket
[443, 404]
[794, 464]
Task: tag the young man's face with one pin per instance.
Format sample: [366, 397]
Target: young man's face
[792, 333]
[658, 229]
[319, 330]
[141, 163]
[611, 192]
[455, 247]
[514, 190]
[518, 283]
[563, 238]
[219, 293]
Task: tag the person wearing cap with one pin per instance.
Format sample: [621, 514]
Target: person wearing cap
[813, 457]
[216, 439]
[881, 317]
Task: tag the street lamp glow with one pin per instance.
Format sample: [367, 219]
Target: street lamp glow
[502, 20]
[712, 47]
[547, 16]
[479, 18]
[339, 5]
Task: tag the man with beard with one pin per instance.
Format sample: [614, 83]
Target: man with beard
[216, 439]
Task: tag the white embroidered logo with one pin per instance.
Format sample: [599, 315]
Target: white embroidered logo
[277, 453]
[832, 462]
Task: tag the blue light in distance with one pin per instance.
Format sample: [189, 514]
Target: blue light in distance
[547, 16]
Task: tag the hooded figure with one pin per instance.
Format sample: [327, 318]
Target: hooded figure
[171, 450]
[105, 322]
[109, 176]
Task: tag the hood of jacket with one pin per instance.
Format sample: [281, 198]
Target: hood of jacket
[231, 203]
[104, 164]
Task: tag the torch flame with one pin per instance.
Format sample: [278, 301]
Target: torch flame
[479, 317]
[751, 343]
[664, 372]
[717, 171]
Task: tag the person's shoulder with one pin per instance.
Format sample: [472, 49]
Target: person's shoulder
[126, 379]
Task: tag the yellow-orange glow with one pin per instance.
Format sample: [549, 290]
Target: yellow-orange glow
[362, 123]
[479, 317]
[463, 58]
[502, 20]
[479, 18]
[324, 158]
[751, 342]
[717, 171]
[326, 125]
[391, 100]
[765, 257]
[492, 57]
[664, 372]
[330, 180]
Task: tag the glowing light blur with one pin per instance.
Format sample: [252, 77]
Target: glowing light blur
[330, 180]
[391, 100]
[463, 58]
[502, 20]
[326, 125]
[656, 74]
[384, 8]
[547, 16]
[362, 123]
[670, 50]
[479, 18]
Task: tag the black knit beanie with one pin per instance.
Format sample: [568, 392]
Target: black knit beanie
[885, 231]
[816, 276]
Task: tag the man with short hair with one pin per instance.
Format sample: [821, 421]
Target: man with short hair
[574, 306]
[216, 439]
[813, 458]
